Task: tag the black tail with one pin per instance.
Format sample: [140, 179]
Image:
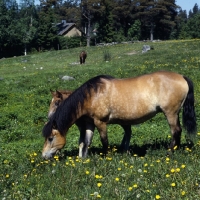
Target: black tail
[189, 116]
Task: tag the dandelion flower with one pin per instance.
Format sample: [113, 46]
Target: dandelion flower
[167, 175]
[7, 175]
[135, 185]
[99, 184]
[182, 166]
[173, 184]
[157, 196]
[172, 170]
[87, 172]
[178, 170]
[130, 188]
[175, 147]
[183, 193]
[116, 179]
[119, 168]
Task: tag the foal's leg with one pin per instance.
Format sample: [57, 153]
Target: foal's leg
[127, 137]
[89, 131]
[174, 123]
[82, 129]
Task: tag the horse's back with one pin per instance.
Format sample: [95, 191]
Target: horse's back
[134, 98]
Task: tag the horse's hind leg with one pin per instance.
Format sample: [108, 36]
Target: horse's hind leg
[127, 137]
[102, 128]
[176, 130]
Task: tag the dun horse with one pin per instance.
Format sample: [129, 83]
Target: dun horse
[106, 100]
[83, 56]
[85, 127]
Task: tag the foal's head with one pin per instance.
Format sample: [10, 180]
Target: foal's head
[57, 98]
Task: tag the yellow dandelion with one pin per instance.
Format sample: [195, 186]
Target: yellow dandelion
[157, 161]
[145, 171]
[178, 170]
[183, 193]
[145, 164]
[87, 172]
[35, 154]
[173, 184]
[130, 188]
[116, 179]
[167, 175]
[97, 176]
[7, 175]
[172, 170]
[99, 184]
[119, 168]
[131, 166]
[175, 147]
[25, 175]
[167, 159]
[183, 166]
[135, 185]
[108, 158]
[157, 196]
[98, 196]
[135, 155]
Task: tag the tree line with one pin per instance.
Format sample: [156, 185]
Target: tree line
[26, 27]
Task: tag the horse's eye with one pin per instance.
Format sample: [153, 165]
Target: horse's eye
[57, 103]
[50, 139]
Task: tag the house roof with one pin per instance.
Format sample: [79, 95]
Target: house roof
[63, 27]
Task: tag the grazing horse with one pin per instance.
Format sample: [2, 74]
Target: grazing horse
[106, 100]
[85, 127]
[83, 56]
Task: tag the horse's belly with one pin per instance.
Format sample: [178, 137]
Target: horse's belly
[132, 115]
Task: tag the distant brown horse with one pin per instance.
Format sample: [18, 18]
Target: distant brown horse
[106, 100]
[83, 56]
[85, 126]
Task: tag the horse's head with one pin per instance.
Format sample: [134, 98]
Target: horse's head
[57, 99]
[53, 143]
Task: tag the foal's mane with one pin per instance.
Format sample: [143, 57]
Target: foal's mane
[68, 109]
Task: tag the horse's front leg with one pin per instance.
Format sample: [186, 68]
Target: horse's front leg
[102, 128]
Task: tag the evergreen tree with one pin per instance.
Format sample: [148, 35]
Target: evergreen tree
[47, 30]
[157, 17]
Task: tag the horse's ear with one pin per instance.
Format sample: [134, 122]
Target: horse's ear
[59, 94]
[53, 93]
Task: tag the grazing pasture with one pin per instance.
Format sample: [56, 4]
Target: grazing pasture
[145, 173]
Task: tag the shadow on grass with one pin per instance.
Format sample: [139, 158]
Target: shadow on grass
[140, 150]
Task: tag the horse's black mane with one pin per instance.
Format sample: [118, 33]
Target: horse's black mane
[67, 110]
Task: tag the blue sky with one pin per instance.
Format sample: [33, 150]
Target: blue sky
[184, 4]
[187, 4]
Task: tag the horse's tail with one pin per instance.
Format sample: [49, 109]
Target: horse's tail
[189, 116]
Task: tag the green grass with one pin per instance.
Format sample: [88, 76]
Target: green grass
[145, 173]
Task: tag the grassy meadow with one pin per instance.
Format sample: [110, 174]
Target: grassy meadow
[146, 173]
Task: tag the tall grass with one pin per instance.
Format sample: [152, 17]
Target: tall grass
[145, 173]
